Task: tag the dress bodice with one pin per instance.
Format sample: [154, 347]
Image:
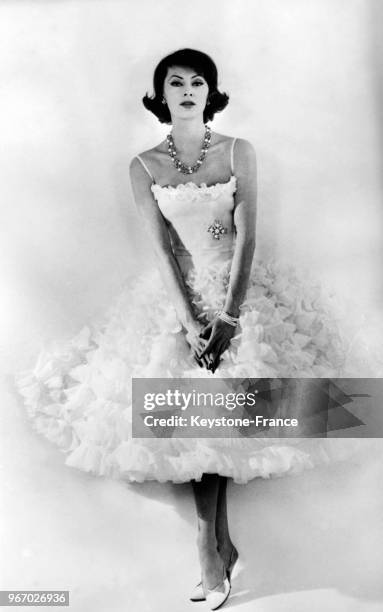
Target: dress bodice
[200, 220]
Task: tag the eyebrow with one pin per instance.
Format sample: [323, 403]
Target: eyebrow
[180, 77]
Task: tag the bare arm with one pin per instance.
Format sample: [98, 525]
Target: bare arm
[244, 221]
[158, 232]
[218, 332]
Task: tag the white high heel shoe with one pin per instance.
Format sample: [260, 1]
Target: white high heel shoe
[216, 598]
[197, 593]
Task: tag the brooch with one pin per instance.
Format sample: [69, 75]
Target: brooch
[216, 229]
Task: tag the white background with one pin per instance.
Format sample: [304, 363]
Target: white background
[305, 85]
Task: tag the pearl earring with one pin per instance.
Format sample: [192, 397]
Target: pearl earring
[163, 101]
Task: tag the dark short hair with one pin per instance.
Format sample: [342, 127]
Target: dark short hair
[202, 64]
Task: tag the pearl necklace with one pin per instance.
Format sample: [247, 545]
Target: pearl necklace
[181, 167]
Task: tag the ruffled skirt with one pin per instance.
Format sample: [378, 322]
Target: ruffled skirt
[78, 394]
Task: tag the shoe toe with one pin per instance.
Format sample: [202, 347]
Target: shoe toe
[197, 594]
[215, 599]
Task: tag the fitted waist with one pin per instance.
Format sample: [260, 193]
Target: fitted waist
[204, 258]
[208, 251]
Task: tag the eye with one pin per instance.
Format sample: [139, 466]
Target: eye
[198, 83]
[175, 83]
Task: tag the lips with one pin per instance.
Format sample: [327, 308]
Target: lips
[187, 104]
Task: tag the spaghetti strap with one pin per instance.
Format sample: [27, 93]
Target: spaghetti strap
[232, 156]
[145, 167]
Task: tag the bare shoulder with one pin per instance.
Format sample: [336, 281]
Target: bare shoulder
[245, 159]
[150, 159]
[141, 167]
[242, 146]
[137, 171]
[154, 152]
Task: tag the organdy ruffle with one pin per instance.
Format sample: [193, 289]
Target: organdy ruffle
[79, 393]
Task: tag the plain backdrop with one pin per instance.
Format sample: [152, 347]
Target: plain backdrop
[305, 85]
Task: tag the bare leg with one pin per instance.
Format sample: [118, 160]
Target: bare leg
[225, 545]
[206, 495]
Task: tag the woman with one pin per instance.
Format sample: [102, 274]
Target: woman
[186, 95]
[205, 315]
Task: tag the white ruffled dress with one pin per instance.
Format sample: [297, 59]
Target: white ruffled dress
[79, 393]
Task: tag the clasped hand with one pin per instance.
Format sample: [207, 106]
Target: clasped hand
[211, 343]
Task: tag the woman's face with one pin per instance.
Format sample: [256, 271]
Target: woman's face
[185, 92]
